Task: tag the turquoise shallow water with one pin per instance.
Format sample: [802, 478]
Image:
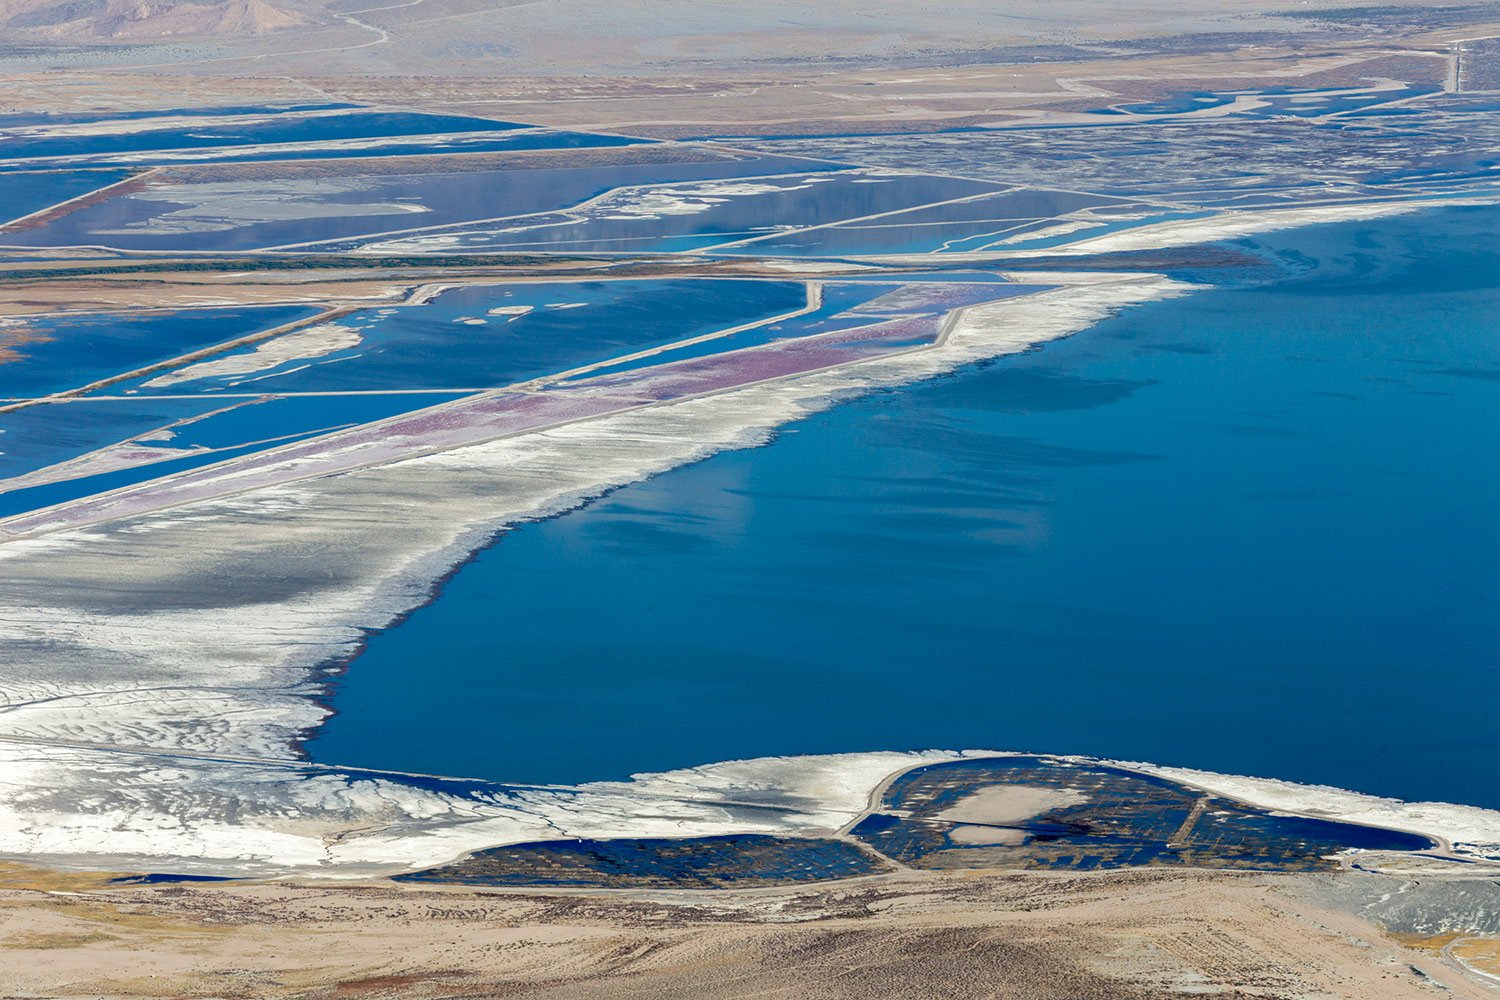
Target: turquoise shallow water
[1251, 530]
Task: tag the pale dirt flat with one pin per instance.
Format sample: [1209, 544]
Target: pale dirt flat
[1007, 804]
[869, 94]
[1095, 936]
[987, 836]
[590, 37]
[100, 294]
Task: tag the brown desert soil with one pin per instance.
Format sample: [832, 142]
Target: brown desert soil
[1096, 936]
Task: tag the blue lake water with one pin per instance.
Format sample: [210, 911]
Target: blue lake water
[1250, 530]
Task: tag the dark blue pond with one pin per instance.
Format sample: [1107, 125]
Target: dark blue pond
[718, 213]
[1278, 101]
[23, 194]
[413, 145]
[893, 234]
[39, 436]
[832, 314]
[273, 130]
[160, 878]
[464, 339]
[1119, 818]
[691, 863]
[448, 198]
[479, 142]
[963, 225]
[47, 354]
[85, 117]
[1250, 530]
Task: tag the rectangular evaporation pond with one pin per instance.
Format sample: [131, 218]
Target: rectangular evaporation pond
[413, 146]
[89, 117]
[297, 416]
[35, 437]
[273, 130]
[23, 194]
[879, 238]
[1186, 101]
[1043, 242]
[40, 355]
[418, 145]
[1302, 106]
[493, 335]
[896, 277]
[178, 213]
[243, 430]
[1177, 103]
[458, 198]
[735, 342]
[713, 212]
[934, 297]
[700, 862]
[1020, 203]
[1459, 104]
[926, 229]
[726, 371]
[931, 228]
[829, 317]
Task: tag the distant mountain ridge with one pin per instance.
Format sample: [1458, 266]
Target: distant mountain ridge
[628, 38]
[147, 19]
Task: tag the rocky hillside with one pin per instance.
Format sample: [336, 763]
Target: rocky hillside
[148, 19]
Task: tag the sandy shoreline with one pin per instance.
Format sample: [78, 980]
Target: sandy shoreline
[165, 813]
